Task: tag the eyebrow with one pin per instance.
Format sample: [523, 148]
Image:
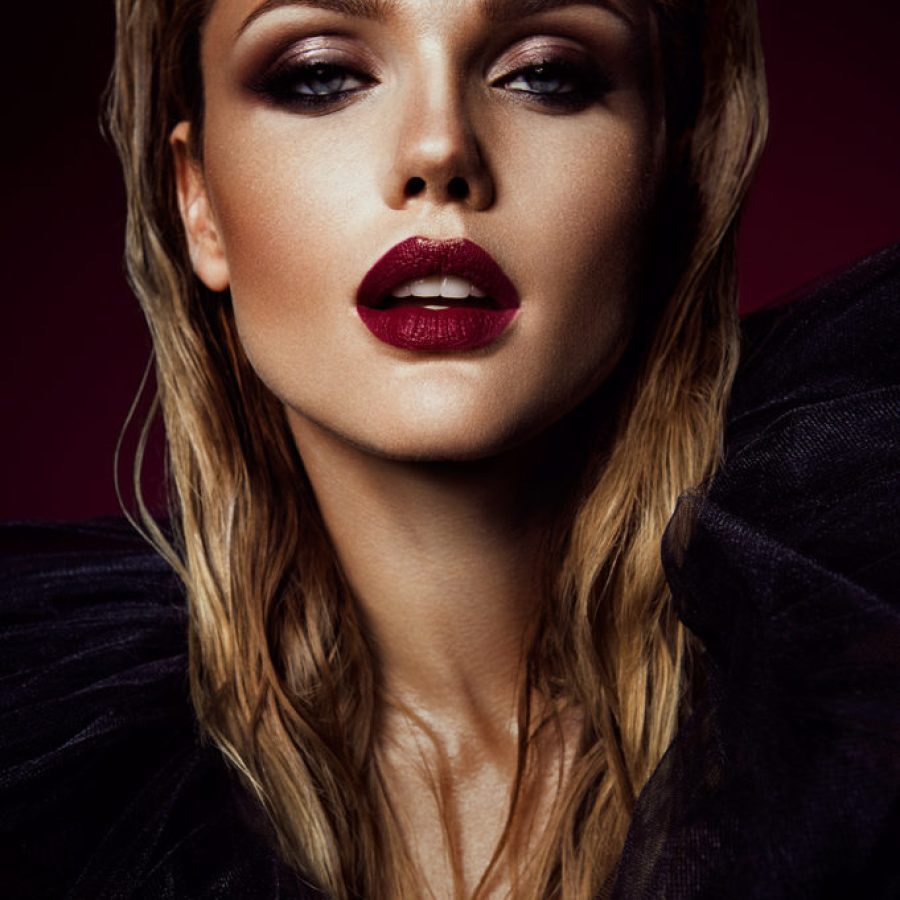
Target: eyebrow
[497, 12]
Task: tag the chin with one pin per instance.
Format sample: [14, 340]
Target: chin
[427, 434]
[445, 440]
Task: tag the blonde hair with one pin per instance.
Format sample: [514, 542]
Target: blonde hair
[282, 676]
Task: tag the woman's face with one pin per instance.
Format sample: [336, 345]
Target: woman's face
[337, 129]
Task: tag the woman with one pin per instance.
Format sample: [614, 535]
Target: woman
[443, 303]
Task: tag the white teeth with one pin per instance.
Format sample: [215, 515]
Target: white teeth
[454, 287]
[427, 287]
[449, 286]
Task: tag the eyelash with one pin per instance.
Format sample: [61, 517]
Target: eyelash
[588, 85]
[280, 85]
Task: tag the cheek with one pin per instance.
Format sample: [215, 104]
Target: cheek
[274, 210]
[286, 189]
[285, 211]
[583, 223]
[587, 197]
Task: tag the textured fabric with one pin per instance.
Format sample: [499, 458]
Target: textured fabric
[786, 780]
[105, 791]
[783, 782]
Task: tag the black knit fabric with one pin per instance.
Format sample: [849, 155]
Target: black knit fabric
[783, 783]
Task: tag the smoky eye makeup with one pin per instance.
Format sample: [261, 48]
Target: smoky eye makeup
[554, 79]
[310, 84]
[556, 83]
[326, 72]
[310, 75]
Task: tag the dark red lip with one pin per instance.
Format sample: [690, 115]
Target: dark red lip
[460, 327]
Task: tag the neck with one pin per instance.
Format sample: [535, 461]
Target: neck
[443, 563]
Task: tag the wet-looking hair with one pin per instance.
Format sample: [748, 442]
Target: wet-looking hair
[283, 677]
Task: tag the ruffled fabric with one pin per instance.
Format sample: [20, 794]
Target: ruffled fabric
[783, 782]
[786, 780]
[106, 791]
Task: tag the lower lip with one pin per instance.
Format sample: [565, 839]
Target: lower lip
[436, 330]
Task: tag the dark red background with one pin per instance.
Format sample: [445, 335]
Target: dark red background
[74, 343]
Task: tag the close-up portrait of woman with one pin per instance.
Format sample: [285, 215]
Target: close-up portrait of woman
[499, 557]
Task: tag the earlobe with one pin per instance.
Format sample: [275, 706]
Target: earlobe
[202, 232]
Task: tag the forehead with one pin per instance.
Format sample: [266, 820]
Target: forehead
[244, 12]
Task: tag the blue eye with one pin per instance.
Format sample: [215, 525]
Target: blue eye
[322, 85]
[557, 83]
[314, 85]
[546, 78]
[324, 80]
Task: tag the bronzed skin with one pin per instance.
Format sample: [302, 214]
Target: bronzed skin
[420, 462]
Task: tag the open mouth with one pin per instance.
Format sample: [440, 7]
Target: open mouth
[437, 292]
[437, 296]
[391, 302]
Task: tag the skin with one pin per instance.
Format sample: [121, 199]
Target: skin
[424, 465]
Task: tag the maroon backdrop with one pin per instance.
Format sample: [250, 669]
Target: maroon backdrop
[74, 343]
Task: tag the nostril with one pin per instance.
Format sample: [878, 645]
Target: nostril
[414, 186]
[458, 188]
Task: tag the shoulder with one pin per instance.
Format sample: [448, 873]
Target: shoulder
[87, 611]
[92, 649]
[807, 491]
[107, 789]
[92, 631]
[835, 339]
[799, 528]
[785, 566]
[75, 587]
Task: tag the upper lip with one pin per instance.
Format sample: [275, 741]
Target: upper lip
[418, 257]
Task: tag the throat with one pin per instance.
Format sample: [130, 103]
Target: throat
[452, 808]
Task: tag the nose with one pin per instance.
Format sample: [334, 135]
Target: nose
[437, 154]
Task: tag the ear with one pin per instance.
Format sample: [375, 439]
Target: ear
[203, 237]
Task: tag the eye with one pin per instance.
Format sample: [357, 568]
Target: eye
[311, 85]
[557, 82]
